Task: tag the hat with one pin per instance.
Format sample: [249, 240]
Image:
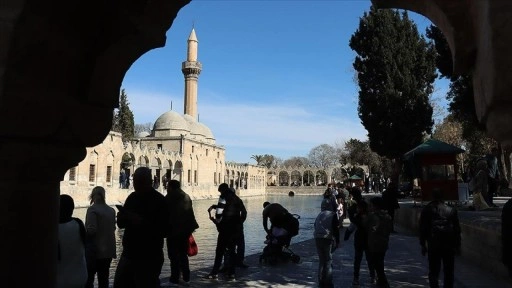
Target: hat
[326, 205]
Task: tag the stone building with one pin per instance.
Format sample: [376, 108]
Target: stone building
[178, 147]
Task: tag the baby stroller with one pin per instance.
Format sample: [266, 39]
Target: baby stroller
[277, 249]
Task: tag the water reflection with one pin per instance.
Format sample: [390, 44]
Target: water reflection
[307, 207]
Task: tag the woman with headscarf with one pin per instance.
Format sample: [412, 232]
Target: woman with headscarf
[71, 265]
[100, 223]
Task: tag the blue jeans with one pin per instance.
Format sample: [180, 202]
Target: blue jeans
[323, 247]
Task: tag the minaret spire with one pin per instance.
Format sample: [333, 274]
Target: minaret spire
[191, 70]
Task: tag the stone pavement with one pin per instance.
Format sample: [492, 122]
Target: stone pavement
[405, 267]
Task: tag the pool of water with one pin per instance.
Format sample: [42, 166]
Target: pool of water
[307, 207]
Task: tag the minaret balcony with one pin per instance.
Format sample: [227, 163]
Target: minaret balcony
[191, 65]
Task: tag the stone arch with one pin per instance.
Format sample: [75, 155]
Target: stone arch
[272, 178]
[284, 178]
[143, 161]
[337, 175]
[296, 178]
[321, 177]
[246, 183]
[309, 178]
[177, 172]
[452, 24]
[226, 176]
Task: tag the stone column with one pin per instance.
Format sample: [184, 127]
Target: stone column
[29, 209]
[61, 67]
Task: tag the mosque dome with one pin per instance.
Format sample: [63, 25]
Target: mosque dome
[170, 124]
[142, 134]
[196, 129]
[207, 133]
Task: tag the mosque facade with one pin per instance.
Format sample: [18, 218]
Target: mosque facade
[178, 147]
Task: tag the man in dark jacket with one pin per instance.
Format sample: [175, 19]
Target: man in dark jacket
[182, 222]
[144, 219]
[378, 227]
[228, 219]
[357, 213]
[390, 199]
[440, 237]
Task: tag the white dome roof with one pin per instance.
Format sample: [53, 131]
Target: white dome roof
[171, 120]
[170, 124]
[195, 128]
[207, 132]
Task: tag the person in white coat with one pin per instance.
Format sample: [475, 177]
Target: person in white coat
[100, 223]
[71, 265]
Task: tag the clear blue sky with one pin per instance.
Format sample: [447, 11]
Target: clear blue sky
[277, 75]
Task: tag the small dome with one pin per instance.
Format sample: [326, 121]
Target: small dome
[196, 129]
[207, 132]
[143, 134]
[170, 124]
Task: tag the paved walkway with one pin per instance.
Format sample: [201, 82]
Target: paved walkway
[405, 267]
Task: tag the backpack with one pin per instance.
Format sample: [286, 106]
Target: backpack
[441, 227]
[291, 224]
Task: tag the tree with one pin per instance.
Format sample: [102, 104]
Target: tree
[146, 127]
[395, 71]
[296, 161]
[267, 160]
[449, 131]
[123, 118]
[358, 153]
[323, 155]
[257, 158]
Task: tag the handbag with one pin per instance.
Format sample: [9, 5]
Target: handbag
[192, 246]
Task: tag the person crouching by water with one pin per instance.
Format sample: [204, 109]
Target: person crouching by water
[182, 222]
[227, 219]
[327, 239]
[100, 223]
[71, 264]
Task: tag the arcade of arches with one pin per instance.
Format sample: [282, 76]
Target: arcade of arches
[61, 68]
[307, 176]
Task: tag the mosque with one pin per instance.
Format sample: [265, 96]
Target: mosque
[178, 147]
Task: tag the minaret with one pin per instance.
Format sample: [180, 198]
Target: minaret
[191, 70]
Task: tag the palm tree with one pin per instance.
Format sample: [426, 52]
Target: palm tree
[257, 158]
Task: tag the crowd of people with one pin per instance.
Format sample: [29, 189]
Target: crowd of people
[371, 223]
[149, 218]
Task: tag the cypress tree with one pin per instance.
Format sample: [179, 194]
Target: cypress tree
[395, 71]
[123, 118]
